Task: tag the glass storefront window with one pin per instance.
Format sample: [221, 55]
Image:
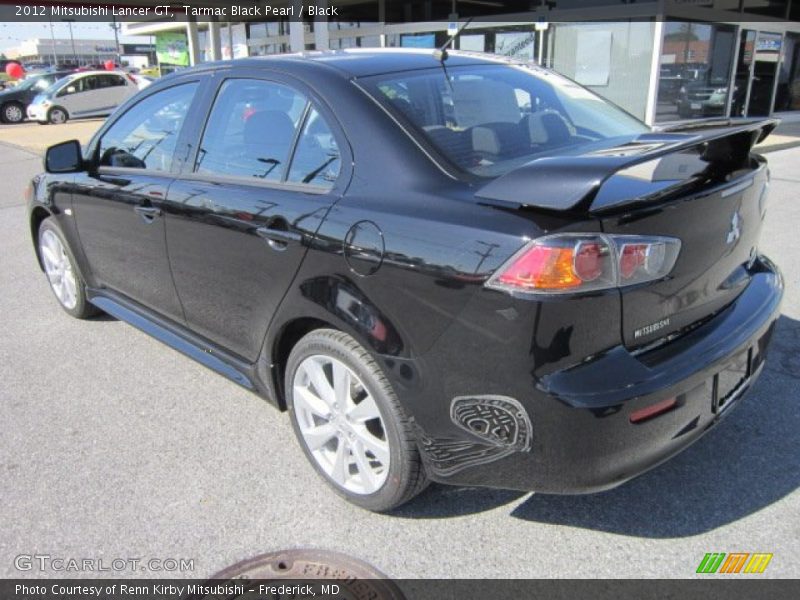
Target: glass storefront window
[695, 70]
[764, 69]
[472, 43]
[343, 43]
[418, 40]
[613, 59]
[517, 44]
[788, 92]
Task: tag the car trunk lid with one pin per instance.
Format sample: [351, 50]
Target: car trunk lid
[719, 227]
[701, 185]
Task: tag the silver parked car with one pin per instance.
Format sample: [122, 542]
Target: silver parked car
[85, 94]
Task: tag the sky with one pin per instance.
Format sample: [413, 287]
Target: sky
[13, 33]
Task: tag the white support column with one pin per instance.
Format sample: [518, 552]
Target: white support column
[191, 38]
[732, 73]
[655, 72]
[297, 33]
[215, 41]
[382, 21]
[321, 38]
[297, 42]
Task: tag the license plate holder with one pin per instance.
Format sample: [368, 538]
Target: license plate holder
[696, 106]
[731, 380]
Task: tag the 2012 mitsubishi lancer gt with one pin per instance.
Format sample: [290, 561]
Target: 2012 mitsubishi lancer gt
[447, 267]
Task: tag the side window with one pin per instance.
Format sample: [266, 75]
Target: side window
[72, 87]
[145, 136]
[251, 130]
[106, 81]
[316, 160]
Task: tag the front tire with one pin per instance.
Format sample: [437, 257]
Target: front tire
[65, 279]
[57, 116]
[350, 423]
[13, 112]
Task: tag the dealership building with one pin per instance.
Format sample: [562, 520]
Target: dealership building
[661, 60]
[80, 52]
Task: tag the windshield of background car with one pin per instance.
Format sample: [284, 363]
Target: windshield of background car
[490, 119]
[37, 82]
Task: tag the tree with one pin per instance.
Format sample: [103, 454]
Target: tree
[685, 33]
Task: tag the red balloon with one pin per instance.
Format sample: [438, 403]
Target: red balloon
[14, 70]
[109, 65]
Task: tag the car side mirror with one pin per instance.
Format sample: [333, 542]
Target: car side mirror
[70, 90]
[65, 157]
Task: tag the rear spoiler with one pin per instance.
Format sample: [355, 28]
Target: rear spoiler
[652, 164]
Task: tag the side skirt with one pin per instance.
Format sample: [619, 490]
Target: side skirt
[176, 337]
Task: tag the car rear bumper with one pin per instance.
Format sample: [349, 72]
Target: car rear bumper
[571, 431]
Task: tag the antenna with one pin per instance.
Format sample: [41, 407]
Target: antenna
[441, 51]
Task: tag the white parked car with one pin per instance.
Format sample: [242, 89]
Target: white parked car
[84, 94]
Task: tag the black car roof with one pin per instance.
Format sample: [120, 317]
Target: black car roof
[364, 62]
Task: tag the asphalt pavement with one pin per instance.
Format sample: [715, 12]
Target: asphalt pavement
[114, 446]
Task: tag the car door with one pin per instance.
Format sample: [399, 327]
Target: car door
[118, 203]
[242, 213]
[113, 89]
[78, 97]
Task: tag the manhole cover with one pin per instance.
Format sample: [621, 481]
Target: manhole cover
[303, 573]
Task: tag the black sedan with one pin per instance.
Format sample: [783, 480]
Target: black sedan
[446, 267]
[14, 101]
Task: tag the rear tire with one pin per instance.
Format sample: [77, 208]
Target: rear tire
[66, 281]
[350, 423]
[57, 116]
[13, 112]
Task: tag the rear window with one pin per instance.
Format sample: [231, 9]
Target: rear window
[490, 119]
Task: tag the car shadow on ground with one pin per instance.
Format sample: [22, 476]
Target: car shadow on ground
[746, 464]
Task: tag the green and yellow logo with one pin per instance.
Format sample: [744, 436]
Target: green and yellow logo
[735, 562]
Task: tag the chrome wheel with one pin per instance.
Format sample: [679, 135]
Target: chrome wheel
[59, 269]
[340, 424]
[13, 113]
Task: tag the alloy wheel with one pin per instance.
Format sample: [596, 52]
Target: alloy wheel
[58, 268]
[13, 113]
[58, 116]
[340, 424]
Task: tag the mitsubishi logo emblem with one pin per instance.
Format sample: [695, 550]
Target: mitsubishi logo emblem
[735, 231]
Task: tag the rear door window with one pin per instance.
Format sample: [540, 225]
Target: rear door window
[251, 130]
[106, 81]
[316, 159]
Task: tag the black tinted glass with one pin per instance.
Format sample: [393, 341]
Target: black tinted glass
[491, 119]
[251, 130]
[145, 136]
[316, 159]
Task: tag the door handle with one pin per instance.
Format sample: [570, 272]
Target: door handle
[278, 239]
[148, 213]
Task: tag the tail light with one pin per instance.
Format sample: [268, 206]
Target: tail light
[571, 263]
